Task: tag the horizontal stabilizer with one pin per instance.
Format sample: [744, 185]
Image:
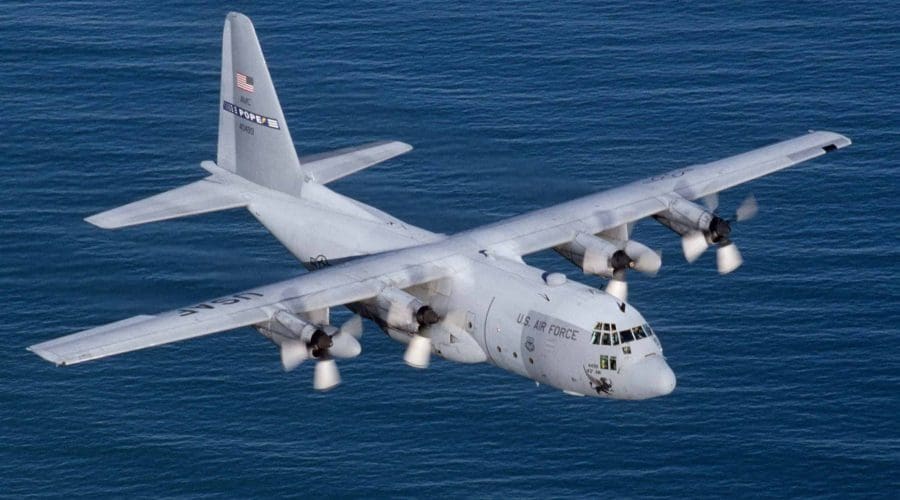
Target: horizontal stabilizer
[207, 195]
[333, 165]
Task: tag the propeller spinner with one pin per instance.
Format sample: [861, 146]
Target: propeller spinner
[635, 256]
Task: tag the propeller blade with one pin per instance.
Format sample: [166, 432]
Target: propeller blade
[618, 289]
[747, 210]
[711, 201]
[353, 327]
[418, 352]
[645, 260]
[728, 258]
[344, 345]
[693, 244]
[292, 354]
[326, 376]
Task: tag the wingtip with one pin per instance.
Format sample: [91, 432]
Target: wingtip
[99, 221]
[837, 140]
[46, 355]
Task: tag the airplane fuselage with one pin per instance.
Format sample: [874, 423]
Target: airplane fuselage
[496, 310]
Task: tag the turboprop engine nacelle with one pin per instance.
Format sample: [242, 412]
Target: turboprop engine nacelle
[602, 257]
[402, 311]
[292, 331]
[301, 339]
[293, 328]
[685, 217]
[700, 227]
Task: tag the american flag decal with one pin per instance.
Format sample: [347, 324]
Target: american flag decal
[243, 82]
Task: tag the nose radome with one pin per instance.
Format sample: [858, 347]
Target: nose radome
[650, 378]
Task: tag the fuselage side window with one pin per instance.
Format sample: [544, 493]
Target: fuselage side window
[612, 363]
[604, 362]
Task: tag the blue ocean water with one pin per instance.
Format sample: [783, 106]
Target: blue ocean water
[788, 370]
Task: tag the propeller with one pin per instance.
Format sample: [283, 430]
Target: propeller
[324, 345]
[617, 286]
[728, 257]
[711, 201]
[293, 354]
[747, 209]
[345, 343]
[418, 352]
[645, 260]
[635, 256]
[693, 244]
[326, 375]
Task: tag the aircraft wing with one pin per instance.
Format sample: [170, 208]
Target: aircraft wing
[351, 282]
[559, 224]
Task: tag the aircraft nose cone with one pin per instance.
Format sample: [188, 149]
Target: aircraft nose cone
[650, 378]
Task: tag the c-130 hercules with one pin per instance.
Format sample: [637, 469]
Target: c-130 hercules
[467, 297]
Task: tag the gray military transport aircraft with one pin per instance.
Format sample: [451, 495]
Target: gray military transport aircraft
[467, 297]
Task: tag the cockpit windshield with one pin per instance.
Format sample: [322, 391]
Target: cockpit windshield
[608, 334]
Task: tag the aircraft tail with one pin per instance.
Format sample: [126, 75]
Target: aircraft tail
[254, 141]
[254, 144]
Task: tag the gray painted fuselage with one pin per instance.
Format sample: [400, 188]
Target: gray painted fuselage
[496, 310]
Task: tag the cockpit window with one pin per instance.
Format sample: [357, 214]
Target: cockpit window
[606, 334]
[639, 332]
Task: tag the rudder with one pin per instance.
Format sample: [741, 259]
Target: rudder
[254, 141]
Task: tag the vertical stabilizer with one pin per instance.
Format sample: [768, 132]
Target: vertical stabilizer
[254, 141]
